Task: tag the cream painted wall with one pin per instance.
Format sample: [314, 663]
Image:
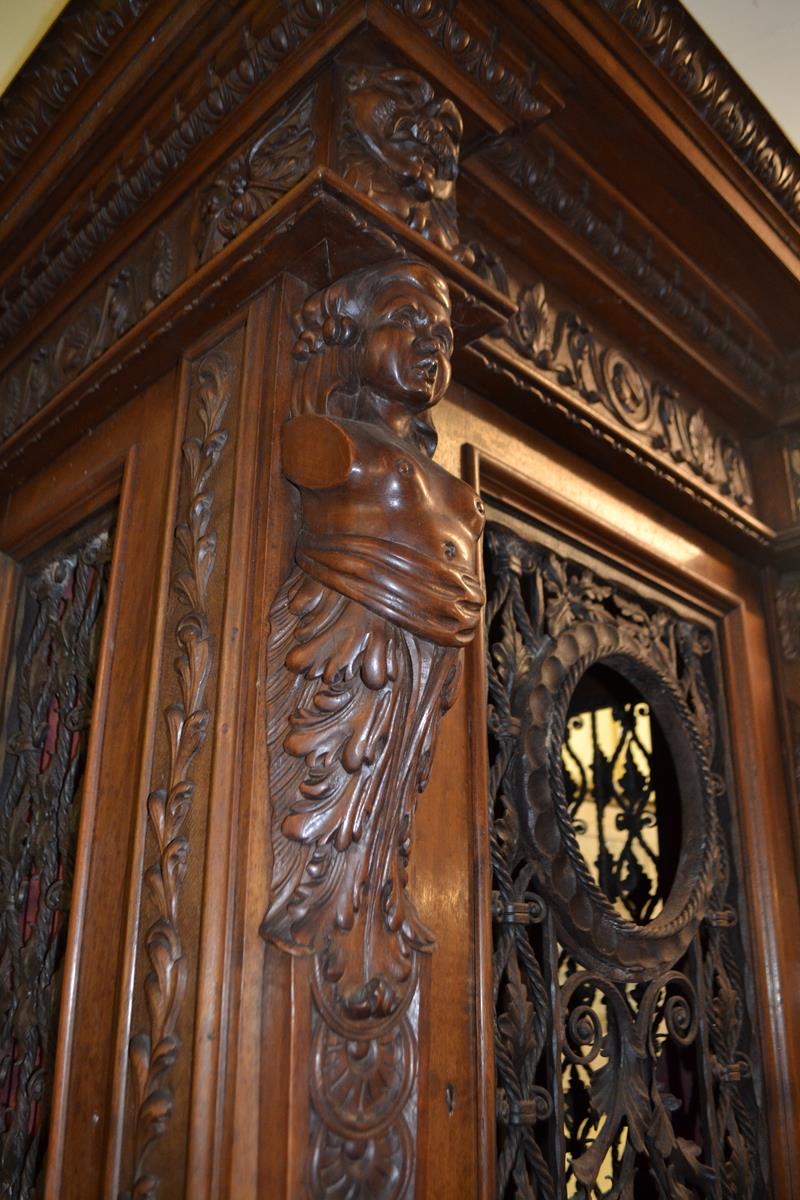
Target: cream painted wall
[23, 23]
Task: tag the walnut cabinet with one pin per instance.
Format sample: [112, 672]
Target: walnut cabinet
[400, 562]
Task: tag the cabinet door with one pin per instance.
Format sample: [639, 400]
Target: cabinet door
[635, 829]
[81, 544]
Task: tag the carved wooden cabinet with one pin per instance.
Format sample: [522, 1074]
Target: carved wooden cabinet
[400, 561]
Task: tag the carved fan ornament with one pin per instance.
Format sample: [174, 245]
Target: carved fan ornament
[364, 658]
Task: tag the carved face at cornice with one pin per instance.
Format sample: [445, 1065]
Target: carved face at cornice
[400, 146]
[414, 134]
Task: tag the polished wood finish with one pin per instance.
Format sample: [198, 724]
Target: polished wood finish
[245, 249]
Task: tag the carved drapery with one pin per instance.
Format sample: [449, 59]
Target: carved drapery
[364, 656]
[624, 1051]
[56, 661]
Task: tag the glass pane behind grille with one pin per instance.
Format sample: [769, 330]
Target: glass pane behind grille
[46, 731]
[625, 1059]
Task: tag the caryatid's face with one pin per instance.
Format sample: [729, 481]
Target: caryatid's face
[407, 340]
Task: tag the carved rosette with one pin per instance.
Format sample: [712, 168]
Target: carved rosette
[399, 145]
[364, 658]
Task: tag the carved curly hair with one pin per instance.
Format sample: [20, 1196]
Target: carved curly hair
[331, 320]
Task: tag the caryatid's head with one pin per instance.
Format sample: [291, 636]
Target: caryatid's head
[389, 328]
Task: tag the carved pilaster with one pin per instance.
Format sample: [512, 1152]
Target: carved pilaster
[190, 665]
[364, 657]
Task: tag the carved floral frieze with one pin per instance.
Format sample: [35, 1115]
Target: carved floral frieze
[243, 187]
[364, 658]
[565, 346]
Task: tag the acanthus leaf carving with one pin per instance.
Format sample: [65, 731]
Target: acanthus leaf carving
[264, 170]
[154, 1049]
[364, 658]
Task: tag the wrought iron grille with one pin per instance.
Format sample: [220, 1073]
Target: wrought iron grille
[625, 1058]
[46, 731]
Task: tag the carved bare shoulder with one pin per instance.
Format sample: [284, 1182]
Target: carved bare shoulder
[317, 451]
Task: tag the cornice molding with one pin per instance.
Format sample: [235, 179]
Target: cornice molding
[679, 48]
[472, 57]
[90, 225]
[536, 171]
[71, 53]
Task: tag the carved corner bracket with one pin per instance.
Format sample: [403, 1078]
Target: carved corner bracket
[364, 659]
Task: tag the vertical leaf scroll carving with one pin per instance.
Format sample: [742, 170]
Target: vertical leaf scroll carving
[364, 657]
[154, 1049]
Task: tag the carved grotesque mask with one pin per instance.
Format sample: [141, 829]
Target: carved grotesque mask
[414, 133]
[400, 146]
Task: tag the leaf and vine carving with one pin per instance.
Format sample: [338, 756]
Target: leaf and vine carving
[154, 1049]
[262, 172]
[564, 345]
[364, 659]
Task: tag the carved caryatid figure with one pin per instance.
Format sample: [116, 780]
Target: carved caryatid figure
[400, 146]
[364, 651]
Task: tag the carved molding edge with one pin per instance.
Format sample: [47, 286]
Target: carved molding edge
[564, 345]
[520, 379]
[536, 173]
[154, 1050]
[473, 57]
[156, 164]
[243, 187]
[364, 659]
[70, 54]
[679, 48]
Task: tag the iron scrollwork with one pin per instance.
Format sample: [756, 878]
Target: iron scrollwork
[623, 1047]
[364, 658]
